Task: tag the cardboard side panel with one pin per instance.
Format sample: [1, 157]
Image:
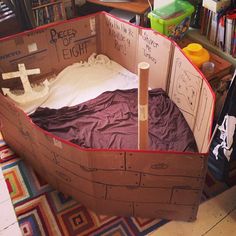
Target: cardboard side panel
[48, 177]
[11, 135]
[204, 116]
[132, 194]
[8, 109]
[185, 86]
[165, 164]
[72, 41]
[111, 182]
[120, 41]
[148, 180]
[90, 160]
[15, 133]
[51, 49]
[103, 176]
[21, 139]
[99, 205]
[165, 211]
[67, 177]
[25, 49]
[155, 50]
[185, 196]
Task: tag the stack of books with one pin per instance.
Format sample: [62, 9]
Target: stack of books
[218, 24]
[47, 11]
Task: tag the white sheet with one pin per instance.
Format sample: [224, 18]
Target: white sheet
[83, 81]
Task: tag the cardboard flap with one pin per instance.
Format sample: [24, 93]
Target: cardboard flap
[51, 49]
[155, 49]
[185, 86]
[72, 41]
[202, 128]
[194, 97]
[120, 41]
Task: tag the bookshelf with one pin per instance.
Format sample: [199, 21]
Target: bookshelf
[47, 11]
[217, 29]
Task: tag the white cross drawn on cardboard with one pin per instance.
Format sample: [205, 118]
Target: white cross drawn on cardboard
[29, 94]
[23, 74]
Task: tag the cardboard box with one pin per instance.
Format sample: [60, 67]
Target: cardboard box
[160, 184]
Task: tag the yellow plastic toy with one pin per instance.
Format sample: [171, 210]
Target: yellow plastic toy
[197, 54]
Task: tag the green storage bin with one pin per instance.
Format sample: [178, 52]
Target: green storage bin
[173, 19]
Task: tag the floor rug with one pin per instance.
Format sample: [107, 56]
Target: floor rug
[41, 210]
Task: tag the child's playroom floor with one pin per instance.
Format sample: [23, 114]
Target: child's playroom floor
[215, 217]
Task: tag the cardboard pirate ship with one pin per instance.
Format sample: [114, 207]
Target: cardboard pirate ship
[118, 182]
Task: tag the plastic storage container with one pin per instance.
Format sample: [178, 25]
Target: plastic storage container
[173, 19]
[197, 54]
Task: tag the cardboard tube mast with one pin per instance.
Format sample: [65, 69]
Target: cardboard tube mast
[143, 73]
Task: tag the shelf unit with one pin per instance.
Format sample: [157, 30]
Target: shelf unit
[47, 11]
[195, 36]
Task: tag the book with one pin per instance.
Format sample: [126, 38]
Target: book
[221, 33]
[213, 31]
[233, 47]
[51, 13]
[228, 34]
[47, 11]
[208, 28]
[203, 21]
[40, 16]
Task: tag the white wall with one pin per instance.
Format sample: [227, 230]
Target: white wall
[160, 3]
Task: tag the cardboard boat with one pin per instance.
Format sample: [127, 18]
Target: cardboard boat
[119, 182]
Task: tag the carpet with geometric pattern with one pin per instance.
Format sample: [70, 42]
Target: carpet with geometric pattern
[41, 210]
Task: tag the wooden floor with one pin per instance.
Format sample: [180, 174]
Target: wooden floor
[216, 216]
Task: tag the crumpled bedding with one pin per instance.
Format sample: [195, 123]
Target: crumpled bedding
[110, 121]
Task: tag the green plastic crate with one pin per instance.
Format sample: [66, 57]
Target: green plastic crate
[173, 19]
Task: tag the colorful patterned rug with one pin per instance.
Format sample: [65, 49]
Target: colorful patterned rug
[42, 210]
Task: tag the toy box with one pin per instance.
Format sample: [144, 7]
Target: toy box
[173, 19]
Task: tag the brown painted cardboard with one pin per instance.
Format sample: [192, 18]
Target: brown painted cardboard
[151, 180]
[192, 94]
[106, 176]
[94, 159]
[119, 41]
[171, 164]
[185, 86]
[155, 50]
[100, 205]
[118, 182]
[138, 194]
[50, 49]
[165, 211]
[204, 118]
[184, 196]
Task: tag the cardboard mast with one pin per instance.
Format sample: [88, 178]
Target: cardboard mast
[143, 73]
